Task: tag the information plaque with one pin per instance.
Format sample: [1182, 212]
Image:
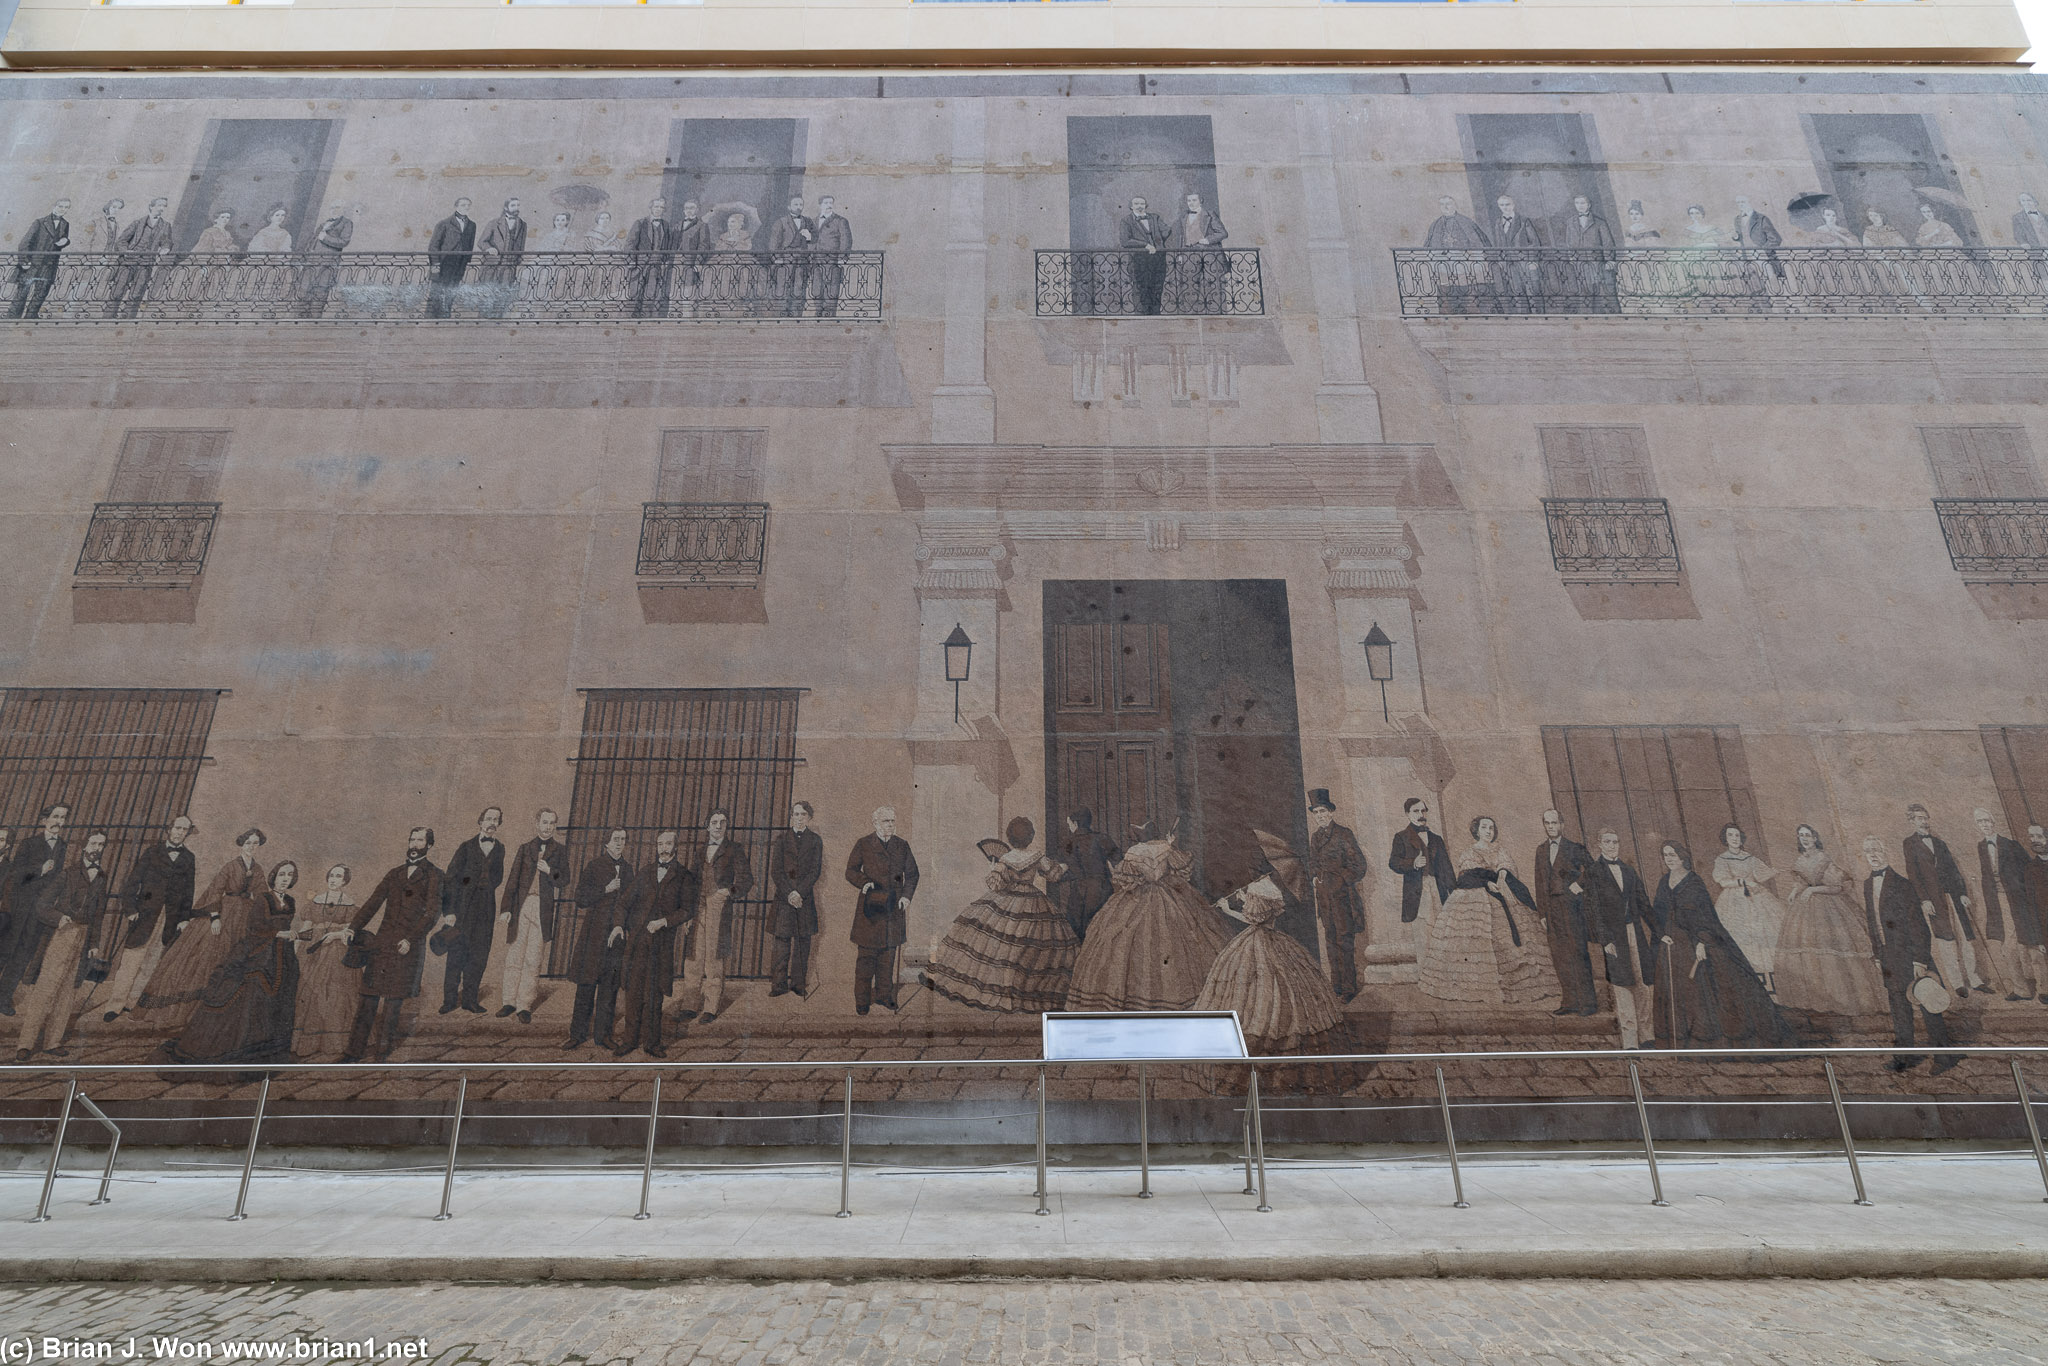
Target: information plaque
[1094, 1036]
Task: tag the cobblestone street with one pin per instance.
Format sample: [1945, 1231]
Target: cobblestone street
[1007, 1323]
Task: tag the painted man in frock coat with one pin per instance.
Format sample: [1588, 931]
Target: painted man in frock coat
[1145, 236]
[1085, 886]
[448, 254]
[1420, 855]
[690, 238]
[2003, 896]
[1945, 900]
[68, 912]
[795, 863]
[884, 871]
[725, 874]
[1335, 864]
[503, 247]
[600, 957]
[409, 897]
[791, 240]
[35, 260]
[471, 911]
[36, 858]
[1557, 876]
[538, 884]
[158, 901]
[1622, 924]
[663, 898]
[143, 246]
[835, 240]
[650, 253]
[1903, 948]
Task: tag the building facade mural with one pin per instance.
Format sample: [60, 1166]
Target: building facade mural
[801, 568]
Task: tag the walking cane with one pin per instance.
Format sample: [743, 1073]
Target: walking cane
[1671, 994]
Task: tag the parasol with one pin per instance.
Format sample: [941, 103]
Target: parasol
[1941, 196]
[1286, 865]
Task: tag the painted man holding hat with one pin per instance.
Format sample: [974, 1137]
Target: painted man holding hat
[1904, 949]
[1335, 864]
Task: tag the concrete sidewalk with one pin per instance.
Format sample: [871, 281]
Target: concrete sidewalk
[1729, 1216]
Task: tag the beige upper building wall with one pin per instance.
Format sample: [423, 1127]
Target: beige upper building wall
[891, 33]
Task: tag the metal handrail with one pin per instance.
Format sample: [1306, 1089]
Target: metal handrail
[1254, 1135]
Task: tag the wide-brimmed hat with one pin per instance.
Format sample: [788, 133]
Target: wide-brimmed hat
[1930, 995]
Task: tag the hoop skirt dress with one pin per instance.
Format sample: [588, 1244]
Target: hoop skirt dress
[1823, 960]
[182, 975]
[1282, 1000]
[1012, 950]
[1153, 942]
[245, 1014]
[1482, 950]
[1749, 910]
[327, 989]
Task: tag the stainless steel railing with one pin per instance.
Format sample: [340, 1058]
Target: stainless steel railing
[1253, 1111]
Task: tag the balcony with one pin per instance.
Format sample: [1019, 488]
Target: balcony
[153, 545]
[1612, 540]
[1132, 284]
[702, 562]
[392, 286]
[1996, 540]
[1657, 282]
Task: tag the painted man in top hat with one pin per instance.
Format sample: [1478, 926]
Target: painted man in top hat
[1335, 864]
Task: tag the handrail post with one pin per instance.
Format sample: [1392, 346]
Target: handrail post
[2033, 1126]
[56, 1152]
[846, 1153]
[1144, 1140]
[1848, 1141]
[1258, 1138]
[113, 1151]
[454, 1138]
[249, 1157]
[1635, 1081]
[647, 1166]
[1450, 1142]
[1249, 1188]
[1043, 1208]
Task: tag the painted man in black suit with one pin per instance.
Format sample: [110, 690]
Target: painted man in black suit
[1520, 270]
[470, 911]
[725, 874]
[1335, 864]
[538, 884]
[1945, 899]
[38, 857]
[1903, 948]
[158, 901]
[35, 260]
[68, 909]
[1085, 885]
[1145, 236]
[791, 240]
[662, 898]
[143, 246]
[650, 252]
[448, 254]
[1557, 872]
[1619, 917]
[2008, 906]
[1420, 857]
[690, 238]
[795, 863]
[599, 960]
[884, 871]
[409, 900]
[835, 240]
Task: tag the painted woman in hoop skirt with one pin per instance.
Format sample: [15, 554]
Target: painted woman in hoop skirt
[1823, 958]
[1482, 950]
[220, 916]
[245, 1015]
[1747, 906]
[1708, 987]
[1012, 949]
[1151, 945]
[1283, 1001]
[328, 988]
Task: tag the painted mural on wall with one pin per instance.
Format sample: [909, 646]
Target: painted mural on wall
[1047, 638]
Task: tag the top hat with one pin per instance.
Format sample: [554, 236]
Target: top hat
[1319, 799]
[1929, 994]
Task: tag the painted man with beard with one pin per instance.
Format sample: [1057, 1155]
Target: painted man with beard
[409, 899]
[67, 912]
[37, 857]
[661, 900]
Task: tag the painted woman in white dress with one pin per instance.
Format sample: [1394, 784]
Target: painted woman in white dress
[1483, 948]
[1748, 907]
[1283, 1001]
[1151, 945]
[547, 277]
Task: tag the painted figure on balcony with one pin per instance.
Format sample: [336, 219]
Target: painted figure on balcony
[1747, 905]
[1829, 232]
[1759, 239]
[1519, 275]
[35, 260]
[1204, 274]
[1453, 231]
[1701, 245]
[1144, 237]
[691, 239]
[1012, 948]
[1282, 1001]
[1586, 279]
[835, 240]
[791, 238]
[448, 255]
[322, 268]
[1459, 270]
[1934, 230]
[272, 237]
[1822, 963]
[269, 282]
[546, 276]
[502, 245]
[649, 258]
[1480, 948]
[1153, 943]
[742, 280]
[599, 279]
[327, 985]
[142, 247]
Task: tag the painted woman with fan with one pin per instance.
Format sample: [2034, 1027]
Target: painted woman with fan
[1013, 949]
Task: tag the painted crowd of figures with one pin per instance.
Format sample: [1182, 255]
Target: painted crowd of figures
[664, 265]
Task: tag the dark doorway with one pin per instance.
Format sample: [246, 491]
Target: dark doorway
[1169, 705]
[1889, 162]
[248, 167]
[1543, 160]
[1159, 158]
[746, 166]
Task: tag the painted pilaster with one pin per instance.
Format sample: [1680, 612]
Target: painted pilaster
[1347, 406]
[964, 406]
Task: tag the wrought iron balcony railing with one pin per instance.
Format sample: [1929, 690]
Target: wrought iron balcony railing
[147, 544]
[703, 543]
[1180, 283]
[393, 286]
[1687, 281]
[1612, 540]
[1996, 540]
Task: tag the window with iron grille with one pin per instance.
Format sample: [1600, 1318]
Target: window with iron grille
[707, 524]
[1605, 521]
[1991, 504]
[2018, 756]
[124, 760]
[1650, 784]
[157, 523]
[655, 759]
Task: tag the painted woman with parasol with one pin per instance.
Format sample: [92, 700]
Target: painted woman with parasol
[1485, 944]
[1282, 998]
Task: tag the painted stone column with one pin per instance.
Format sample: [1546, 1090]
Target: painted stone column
[964, 406]
[1389, 748]
[1347, 406]
[958, 768]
